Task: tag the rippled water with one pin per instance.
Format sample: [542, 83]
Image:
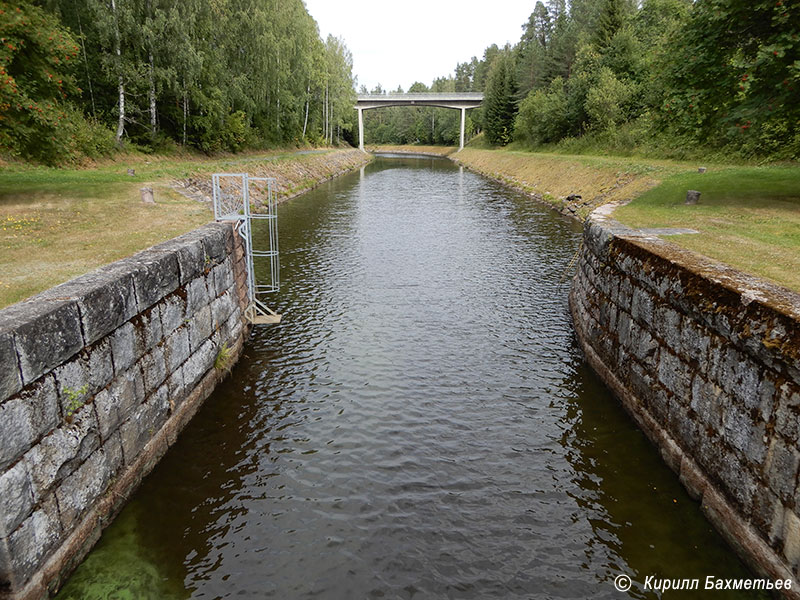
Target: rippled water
[421, 425]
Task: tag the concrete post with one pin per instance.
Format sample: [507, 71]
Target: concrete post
[463, 121]
[361, 129]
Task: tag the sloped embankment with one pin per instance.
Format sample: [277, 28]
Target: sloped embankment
[295, 176]
[573, 185]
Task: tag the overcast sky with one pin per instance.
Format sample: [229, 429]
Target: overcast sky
[403, 41]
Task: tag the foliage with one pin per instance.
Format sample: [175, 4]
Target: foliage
[664, 76]
[221, 75]
[224, 359]
[37, 58]
[735, 74]
[499, 100]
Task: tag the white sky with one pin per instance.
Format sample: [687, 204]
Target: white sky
[398, 42]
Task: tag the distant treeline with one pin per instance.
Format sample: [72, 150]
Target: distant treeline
[659, 76]
[80, 77]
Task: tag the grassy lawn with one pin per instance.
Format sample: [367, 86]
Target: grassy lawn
[748, 217]
[56, 224]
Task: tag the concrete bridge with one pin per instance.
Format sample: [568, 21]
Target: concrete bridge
[459, 101]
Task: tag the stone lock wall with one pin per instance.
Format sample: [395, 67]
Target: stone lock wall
[97, 378]
[707, 361]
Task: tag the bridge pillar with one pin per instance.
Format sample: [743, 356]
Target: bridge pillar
[463, 121]
[360, 129]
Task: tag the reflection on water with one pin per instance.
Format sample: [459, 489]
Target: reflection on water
[420, 425]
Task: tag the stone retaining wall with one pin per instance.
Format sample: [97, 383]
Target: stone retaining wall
[707, 361]
[97, 378]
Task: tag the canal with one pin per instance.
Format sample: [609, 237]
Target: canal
[421, 424]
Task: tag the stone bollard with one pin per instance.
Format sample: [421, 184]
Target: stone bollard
[132, 172]
[692, 197]
[147, 195]
[701, 169]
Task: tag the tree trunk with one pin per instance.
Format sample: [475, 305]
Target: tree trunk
[305, 122]
[153, 113]
[86, 63]
[185, 110]
[120, 80]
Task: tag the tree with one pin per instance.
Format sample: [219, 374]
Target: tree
[38, 58]
[735, 73]
[499, 101]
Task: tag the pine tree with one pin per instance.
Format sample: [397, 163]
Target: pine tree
[499, 101]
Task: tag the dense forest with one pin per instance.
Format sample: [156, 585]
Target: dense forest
[661, 77]
[82, 77]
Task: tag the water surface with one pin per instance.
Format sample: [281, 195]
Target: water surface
[421, 424]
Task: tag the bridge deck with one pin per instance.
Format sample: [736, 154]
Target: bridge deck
[446, 100]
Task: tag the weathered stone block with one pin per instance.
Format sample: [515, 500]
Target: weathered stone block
[106, 299]
[197, 295]
[215, 241]
[642, 306]
[143, 424]
[100, 365]
[223, 277]
[190, 253]
[625, 294]
[767, 515]
[33, 541]
[780, 471]
[708, 401]
[149, 331]
[62, 451]
[112, 450]
[791, 537]
[115, 404]
[787, 413]
[667, 322]
[72, 382]
[200, 328]
[673, 373]
[176, 348]
[739, 483]
[198, 365]
[745, 435]
[644, 346]
[155, 274]
[233, 327]
[16, 498]
[221, 309]
[154, 369]
[10, 374]
[124, 347]
[26, 417]
[46, 333]
[173, 313]
[79, 491]
[176, 388]
[694, 341]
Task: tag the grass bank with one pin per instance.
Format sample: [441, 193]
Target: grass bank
[425, 150]
[56, 224]
[748, 216]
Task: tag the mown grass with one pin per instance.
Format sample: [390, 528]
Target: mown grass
[553, 177]
[748, 217]
[56, 224]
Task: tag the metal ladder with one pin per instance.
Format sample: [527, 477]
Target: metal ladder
[231, 194]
